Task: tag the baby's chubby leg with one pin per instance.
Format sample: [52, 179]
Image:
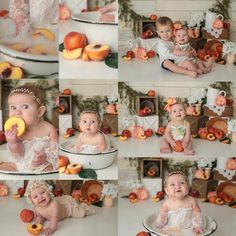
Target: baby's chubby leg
[177, 69]
[82, 210]
[190, 66]
[188, 150]
[8, 166]
[165, 146]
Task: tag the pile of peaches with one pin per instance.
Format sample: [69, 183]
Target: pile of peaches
[136, 196]
[76, 46]
[211, 134]
[67, 168]
[220, 198]
[92, 197]
[126, 134]
[139, 53]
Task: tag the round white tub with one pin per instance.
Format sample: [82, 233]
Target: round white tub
[95, 30]
[92, 161]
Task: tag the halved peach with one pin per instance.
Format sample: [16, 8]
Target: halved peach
[97, 52]
[15, 121]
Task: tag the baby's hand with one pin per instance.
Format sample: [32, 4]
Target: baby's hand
[39, 159]
[198, 230]
[11, 135]
[185, 144]
[47, 232]
[173, 145]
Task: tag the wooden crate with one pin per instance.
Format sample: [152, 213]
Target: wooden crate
[225, 35]
[111, 121]
[152, 163]
[66, 102]
[204, 186]
[228, 112]
[196, 122]
[145, 24]
[140, 101]
[219, 176]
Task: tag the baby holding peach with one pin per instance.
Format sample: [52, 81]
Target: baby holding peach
[179, 209]
[53, 209]
[32, 141]
[91, 140]
[177, 135]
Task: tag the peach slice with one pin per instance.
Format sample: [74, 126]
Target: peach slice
[40, 49]
[16, 73]
[15, 121]
[72, 54]
[123, 138]
[97, 52]
[3, 66]
[74, 168]
[34, 229]
[85, 56]
[43, 32]
[18, 46]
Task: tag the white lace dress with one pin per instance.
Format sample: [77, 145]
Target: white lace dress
[36, 145]
[182, 218]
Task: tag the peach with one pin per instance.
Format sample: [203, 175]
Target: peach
[97, 52]
[72, 54]
[64, 12]
[152, 172]
[126, 133]
[93, 197]
[219, 134]
[40, 49]
[143, 233]
[211, 137]
[133, 197]
[179, 146]
[3, 190]
[219, 201]
[4, 65]
[74, 168]
[123, 138]
[202, 132]
[161, 130]
[21, 191]
[212, 199]
[15, 121]
[151, 93]
[85, 56]
[63, 161]
[76, 194]
[155, 199]
[148, 133]
[26, 215]
[35, 229]
[75, 40]
[43, 32]
[67, 91]
[62, 169]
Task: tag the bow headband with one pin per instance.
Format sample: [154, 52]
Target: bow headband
[170, 102]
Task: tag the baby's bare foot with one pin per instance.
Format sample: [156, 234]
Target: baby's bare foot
[200, 71]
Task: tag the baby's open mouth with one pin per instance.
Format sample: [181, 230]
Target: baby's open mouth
[42, 201]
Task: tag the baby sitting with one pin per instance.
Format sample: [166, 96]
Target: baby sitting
[53, 209]
[177, 130]
[91, 140]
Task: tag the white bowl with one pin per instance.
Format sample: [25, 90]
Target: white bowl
[92, 161]
[32, 64]
[97, 31]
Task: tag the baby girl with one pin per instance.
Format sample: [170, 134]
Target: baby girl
[179, 209]
[178, 129]
[90, 140]
[183, 48]
[53, 209]
[36, 150]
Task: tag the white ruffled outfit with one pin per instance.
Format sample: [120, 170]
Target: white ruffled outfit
[93, 149]
[178, 132]
[29, 13]
[182, 218]
[23, 163]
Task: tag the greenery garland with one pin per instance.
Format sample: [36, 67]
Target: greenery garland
[222, 7]
[129, 16]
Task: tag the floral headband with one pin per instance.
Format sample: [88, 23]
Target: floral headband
[177, 172]
[33, 184]
[177, 26]
[170, 102]
[25, 91]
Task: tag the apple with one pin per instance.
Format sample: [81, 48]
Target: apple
[151, 54]
[21, 192]
[126, 133]
[75, 40]
[133, 197]
[26, 215]
[70, 131]
[148, 133]
[63, 161]
[57, 192]
[130, 54]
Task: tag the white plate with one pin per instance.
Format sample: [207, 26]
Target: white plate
[149, 224]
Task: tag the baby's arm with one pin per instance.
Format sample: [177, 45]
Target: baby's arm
[53, 219]
[197, 217]
[187, 136]
[162, 218]
[53, 134]
[15, 145]
[168, 135]
[101, 143]
[39, 219]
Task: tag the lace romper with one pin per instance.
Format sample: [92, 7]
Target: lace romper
[178, 132]
[23, 163]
